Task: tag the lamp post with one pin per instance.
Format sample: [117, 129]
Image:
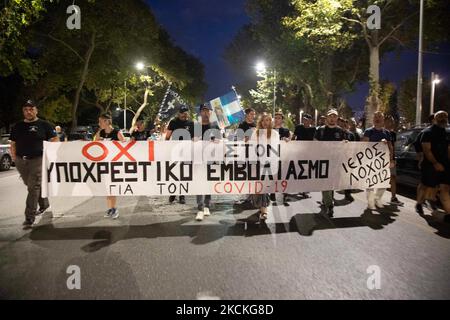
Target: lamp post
[419, 70]
[261, 67]
[434, 80]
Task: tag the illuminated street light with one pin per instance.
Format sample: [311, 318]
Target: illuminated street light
[140, 66]
[434, 81]
[261, 68]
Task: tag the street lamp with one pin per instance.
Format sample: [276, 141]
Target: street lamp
[261, 68]
[434, 81]
[419, 69]
[140, 66]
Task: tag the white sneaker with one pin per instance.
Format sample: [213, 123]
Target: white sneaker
[379, 204]
[114, 213]
[206, 212]
[199, 216]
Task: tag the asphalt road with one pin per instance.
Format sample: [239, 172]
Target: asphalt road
[156, 250]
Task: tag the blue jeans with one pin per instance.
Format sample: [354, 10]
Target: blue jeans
[203, 201]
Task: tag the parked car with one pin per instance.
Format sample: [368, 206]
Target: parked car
[5, 153]
[80, 136]
[81, 133]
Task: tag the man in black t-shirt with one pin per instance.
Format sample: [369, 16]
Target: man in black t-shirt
[244, 132]
[305, 131]
[284, 133]
[436, 162]
[246, 127]
[27, 148]
[140, 134]
[207, 131]
[423, 191]
[180, 128]
[329, 132]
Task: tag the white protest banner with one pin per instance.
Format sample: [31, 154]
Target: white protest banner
[223, 167]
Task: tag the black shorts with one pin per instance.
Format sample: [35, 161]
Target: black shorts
[431, 178]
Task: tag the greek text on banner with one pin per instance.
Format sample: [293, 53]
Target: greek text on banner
[223, 167]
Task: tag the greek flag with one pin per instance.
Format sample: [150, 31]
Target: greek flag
[226, 110]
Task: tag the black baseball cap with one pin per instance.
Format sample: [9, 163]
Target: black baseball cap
[307, 116]
[29, 103]
[183, 108]
[205, 106]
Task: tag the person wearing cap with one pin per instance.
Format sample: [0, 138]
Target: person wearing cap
[305, 131]
[108, 133]
[180, 128]
[207, 131]
[330, 132]
[378, 133]
[322, 121]
[27, 148]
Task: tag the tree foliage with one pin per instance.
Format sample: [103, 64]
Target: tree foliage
[95, 66]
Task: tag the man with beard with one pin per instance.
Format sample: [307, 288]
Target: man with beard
[180, 128]
[27, 147]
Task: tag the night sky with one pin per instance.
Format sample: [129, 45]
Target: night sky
[205, 27]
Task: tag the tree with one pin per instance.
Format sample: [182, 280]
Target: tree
[330, 24]
[90, 66]
[308, 77]
[15, 18]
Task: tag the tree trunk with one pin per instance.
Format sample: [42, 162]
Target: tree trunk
[139, 111]
[373, 100]
[81, 83]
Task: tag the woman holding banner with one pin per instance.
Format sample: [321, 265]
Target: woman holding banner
[108, 133]
[263, 135]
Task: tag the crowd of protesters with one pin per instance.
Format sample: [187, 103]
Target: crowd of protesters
[432, 147]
